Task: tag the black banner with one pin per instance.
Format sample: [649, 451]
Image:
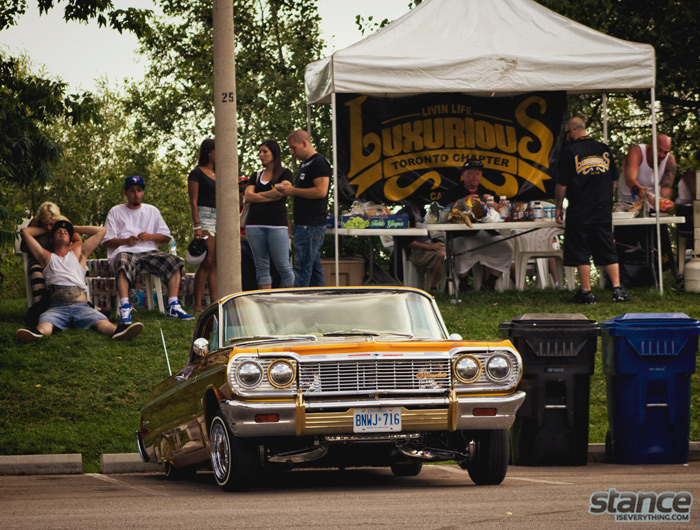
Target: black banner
[393, 149]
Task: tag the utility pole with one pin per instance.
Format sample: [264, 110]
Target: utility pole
[228, 239]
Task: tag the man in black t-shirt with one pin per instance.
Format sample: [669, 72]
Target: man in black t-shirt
[310, 192]
[586, 177]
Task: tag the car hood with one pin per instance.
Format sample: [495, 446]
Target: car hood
[355, 344]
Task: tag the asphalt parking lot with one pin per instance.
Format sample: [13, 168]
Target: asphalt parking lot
[441, 497]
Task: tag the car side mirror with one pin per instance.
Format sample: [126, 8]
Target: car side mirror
[200, 347]
[455, 336]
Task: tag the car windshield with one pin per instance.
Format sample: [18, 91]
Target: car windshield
[390, 313]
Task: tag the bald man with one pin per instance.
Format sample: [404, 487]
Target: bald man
[639, 173]
[639, 170]
[310, 192]
[586, 177]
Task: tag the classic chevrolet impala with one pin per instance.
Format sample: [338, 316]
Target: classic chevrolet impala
[332, 377]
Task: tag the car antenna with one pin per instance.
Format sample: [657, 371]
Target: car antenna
[165, 349]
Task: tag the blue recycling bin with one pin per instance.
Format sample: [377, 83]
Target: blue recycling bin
[648, 360]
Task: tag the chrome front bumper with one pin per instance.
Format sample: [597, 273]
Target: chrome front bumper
[303, 418]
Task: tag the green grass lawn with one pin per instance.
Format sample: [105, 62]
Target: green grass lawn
[80, 392]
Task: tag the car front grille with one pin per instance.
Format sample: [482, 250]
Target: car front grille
[378, 375]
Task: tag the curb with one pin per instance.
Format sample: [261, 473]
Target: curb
[116, 463]
[68, 464]
[127, 463]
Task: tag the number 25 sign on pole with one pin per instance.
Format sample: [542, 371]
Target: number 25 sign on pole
[228, 245]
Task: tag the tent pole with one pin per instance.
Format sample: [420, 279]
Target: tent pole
[335, 189]
[605, 118]
[659, 270]
[308, 119]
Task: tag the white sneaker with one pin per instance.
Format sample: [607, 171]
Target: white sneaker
[125, 313]
[174, 310]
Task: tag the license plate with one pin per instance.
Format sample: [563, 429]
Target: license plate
[377, 419]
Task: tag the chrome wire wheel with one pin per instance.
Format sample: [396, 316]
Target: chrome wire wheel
[220, 450]
[233, 459]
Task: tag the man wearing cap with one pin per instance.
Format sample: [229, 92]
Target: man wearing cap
[134, 231]
[493, 252]
[64, 271]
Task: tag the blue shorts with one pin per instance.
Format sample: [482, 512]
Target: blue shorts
[78, 315]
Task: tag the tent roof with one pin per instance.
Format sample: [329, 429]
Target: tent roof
[482, 47]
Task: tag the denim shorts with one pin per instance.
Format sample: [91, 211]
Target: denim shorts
[77, 315]
[207, 219]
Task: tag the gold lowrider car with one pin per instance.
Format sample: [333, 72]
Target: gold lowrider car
[332, 377]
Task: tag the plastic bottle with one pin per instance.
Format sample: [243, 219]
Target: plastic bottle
[504, 208]
[172, 247]
[529, 212]
[489, 201]
[537, 211]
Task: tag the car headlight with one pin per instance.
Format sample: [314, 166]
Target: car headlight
[498, 367]
[467, 368]
[281, 373]
[249, 374]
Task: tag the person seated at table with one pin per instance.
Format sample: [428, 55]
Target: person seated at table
[492, 251]
[427, 253]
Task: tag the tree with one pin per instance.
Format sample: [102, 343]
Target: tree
[27, 101]
[88, 180]
[671, 27]
[275, 40]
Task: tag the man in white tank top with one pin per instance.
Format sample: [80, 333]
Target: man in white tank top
[64, 272]
[639, 173]
[639, 170]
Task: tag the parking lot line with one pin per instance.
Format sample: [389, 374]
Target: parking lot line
[122, 483]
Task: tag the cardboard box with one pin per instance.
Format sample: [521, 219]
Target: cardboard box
[351, 271]
[382, 221]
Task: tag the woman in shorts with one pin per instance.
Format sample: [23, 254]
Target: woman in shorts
[201, 187]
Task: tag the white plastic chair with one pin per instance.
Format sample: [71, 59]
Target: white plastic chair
[538, 246]
[152, 281]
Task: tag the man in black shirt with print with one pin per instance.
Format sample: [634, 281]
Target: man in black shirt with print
[586, 177]
[310, 193]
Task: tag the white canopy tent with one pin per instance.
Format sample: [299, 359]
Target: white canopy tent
[486, 48]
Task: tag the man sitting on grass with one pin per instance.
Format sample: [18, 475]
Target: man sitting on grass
[64, 272]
